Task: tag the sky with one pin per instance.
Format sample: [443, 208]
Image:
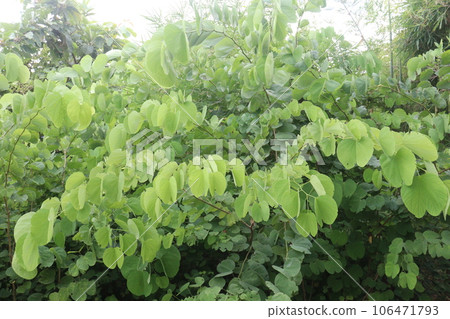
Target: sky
[129, 13]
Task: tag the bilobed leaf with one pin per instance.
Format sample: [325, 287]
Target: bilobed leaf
[150, 248]
[268, 69]
[421, 145]
[400, 168]
[351, 152]
[56, 110]
[177, 43]
[291, 204]
[318, 187]
[86, 63]
[134, 122]
[426, 193]
[99, 63]
[117, 137]
[170, 260]
[260, 211]
[198, 182]
[80, 114]
[113, 257]
[238, 172]
[387, 141]
[75, 180]
[153, 63]
[326, 209]
[12, 63]
[138, 283]
[4, 85]
[306, 224]
[217, 183]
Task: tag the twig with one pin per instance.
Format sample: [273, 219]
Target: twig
[218, 208]
[250, 241]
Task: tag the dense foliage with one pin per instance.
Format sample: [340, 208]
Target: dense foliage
[103, 197]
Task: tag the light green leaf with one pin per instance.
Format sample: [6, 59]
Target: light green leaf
[326, 209]
[387, 141]
[421, 145]
[217, 183]
[153, 64]
[75, 180]
[238, 172]
[99, 64]
[177, 43]
[291, 204]
[351, 152]
[80, 114]
[117, 137]
[307, 224]
[56, 110]
[113, 257]
[426, 193]
[400, 168]
[268, 69]
[86, 63]
[260, 212]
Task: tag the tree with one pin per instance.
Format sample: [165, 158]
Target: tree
[56, 33]
[101, 169]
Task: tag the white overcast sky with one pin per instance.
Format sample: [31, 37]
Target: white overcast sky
[129, 13]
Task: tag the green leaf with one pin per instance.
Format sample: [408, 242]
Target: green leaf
[279, 28]
[387, 141]
[223, 47]
[56, 110]
[86, 63]
[421, 145]
[242, 204]
[117, 137]
[134, 122]
[12, 63]
[217, 183]
[391, 270]
[30, 253]
[138, 283]
[164, 189]
[4, 85]
[445, 57]
[170, 260]
[177, 43]
[150, 248]
[260, 212]
[103, 236]
[307, 224]
[238, 172]
[426, 193]
[400, 168]
[291, 204]
[268, 69]
[198, 182]
[24, 74]
[75, 180]
[411, 280]
[351, 152]
[153, 64]
[318, 187]
[326, 209]
[80, 114]
[128, 244]
[225, 268]
[113, 257]
[99, 64]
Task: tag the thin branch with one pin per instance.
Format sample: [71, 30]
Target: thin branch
[250, 241]
[218, 208]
